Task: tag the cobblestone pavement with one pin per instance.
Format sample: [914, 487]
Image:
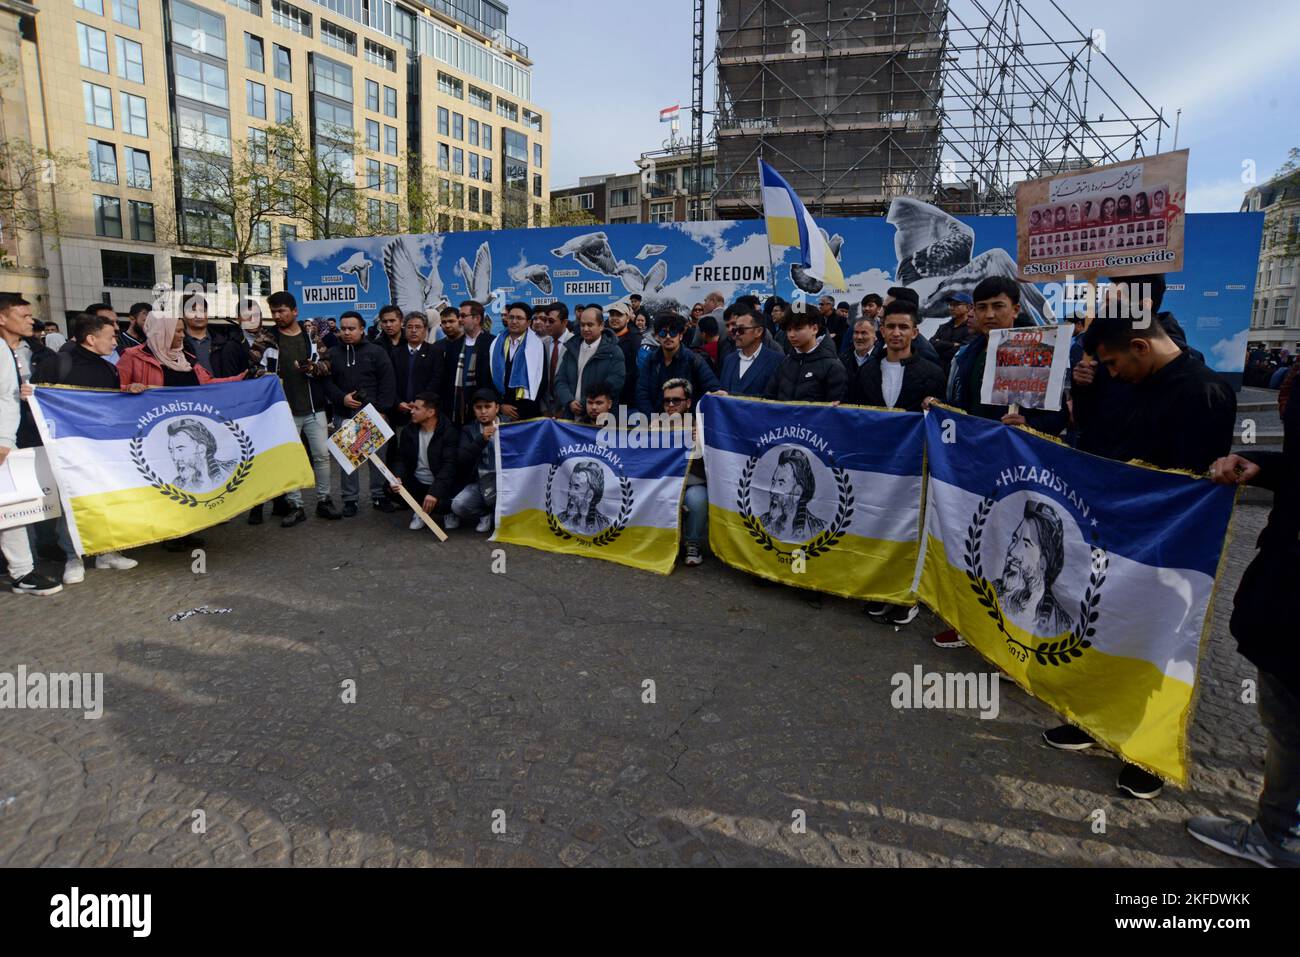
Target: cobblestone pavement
[517, 698]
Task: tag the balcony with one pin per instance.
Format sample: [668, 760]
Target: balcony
[499, 37]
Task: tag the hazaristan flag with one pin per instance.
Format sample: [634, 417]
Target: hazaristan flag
[1087, 581]
[136, 469]
[790, 224]
[815, 496]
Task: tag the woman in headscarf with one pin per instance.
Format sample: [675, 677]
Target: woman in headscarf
[161, 360]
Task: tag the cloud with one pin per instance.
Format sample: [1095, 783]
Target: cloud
[709, 235]
[1216, 196]
[1229, 355]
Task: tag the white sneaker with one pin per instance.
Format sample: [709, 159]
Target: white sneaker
[116, 561]
[452, 520]
[416, 524]
[484, 524]
[74, 572]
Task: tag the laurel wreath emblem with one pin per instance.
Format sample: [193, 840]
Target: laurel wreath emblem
[1056, 653]
[823, 542]
[180, 496]
[609, 535]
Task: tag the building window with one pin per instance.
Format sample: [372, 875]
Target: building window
[248, 6]
[332, 79]
[108, 216]
[283, 107]
[283, 63]
[443, 121]
[380, 55]
[533, 121]
[390, 217]
[473, 199]
[507, 109]
[139, 174]
[537, 154]
[537, 185]
[103, 162]
[444, 192]
[196, 28]
[458, 224]
[457, 127]
[126, 12]
[130, 60]
[290, 17]
[1281, 307]
[91, 6]
[93, 45]
[333, 120]
[473, 166]
[457, 195]
[262, 242]
[1286, 273]
[661, 212]
[372, 174]
[458, 161]
[256, 100]
[444, 156]
[135, 115]
[372, 96]
[205, 82]
[390, 102]
[338, 38]
[487, 137]
[257, 145]
[586, 200]
[390, 140]
[127, 270]
[288, 234]
[142, 222]
[623, 197]
[375, 213]
[203, 131]
[480, 98]
[450, 85]
[487, 203]
[487, 170]
[390, 178]
[372, 135]
[404, 27]
[473, 132]
[200, 271]
[254, 53]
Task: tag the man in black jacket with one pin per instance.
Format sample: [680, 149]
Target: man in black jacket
[952, 335]
[429, 446]
[629, 340]
[1264, 606]
[812, 372]
[466, 365]
[85, 365]
[1183, 418]
[360, 374]
[671, 361]
[414, 367]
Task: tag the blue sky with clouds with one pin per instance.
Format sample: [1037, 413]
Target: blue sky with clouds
[605, 68]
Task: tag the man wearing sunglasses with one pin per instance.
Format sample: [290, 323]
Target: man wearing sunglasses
[671, 361]
[748, 369]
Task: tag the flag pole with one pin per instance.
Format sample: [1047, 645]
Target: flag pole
[771, 263]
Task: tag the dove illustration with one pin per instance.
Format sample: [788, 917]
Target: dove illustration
[358, 266]
[539, 276]
[636, 281]
[479, 279]
[409, 288]
[799, 273]
[650, 249]
[592, 251]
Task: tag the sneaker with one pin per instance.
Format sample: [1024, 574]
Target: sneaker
[256, 516]
[416, 523]
[74, 571]
[949, 639]
[484, 524]
[383, 505]
[34, 584]
[115, 561]
[875, 609]
[295, 517]
[349, 509]
[450, 521]
[326, 509]
[693, 554]
[1069, 738]
[1139, 783]
[1244, 839]
[900, 615]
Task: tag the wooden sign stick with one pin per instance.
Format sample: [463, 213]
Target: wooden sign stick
[378, 463]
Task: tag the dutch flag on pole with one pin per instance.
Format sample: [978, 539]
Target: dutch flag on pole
[669, 114]
[790, 224]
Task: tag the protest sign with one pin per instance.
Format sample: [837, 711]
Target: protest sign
[27, 490]
[1028, 367]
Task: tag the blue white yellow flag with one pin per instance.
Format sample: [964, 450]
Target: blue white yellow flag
[600, 493]
[790, 224]
[815, 496]
[135, 469]
[1087, 581]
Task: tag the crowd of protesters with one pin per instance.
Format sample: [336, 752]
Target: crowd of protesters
[446, 383]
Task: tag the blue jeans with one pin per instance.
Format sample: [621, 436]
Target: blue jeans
[312, 428]
[470, 502]
[695, 523]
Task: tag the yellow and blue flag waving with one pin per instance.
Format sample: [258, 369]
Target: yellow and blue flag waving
[790, 224]
[1087, 581]
[600, 493]
[136, 469]
[816, 496]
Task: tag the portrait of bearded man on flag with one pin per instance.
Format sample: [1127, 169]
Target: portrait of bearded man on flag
[1035, 557]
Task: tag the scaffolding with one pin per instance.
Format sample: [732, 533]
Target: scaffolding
[955, 103]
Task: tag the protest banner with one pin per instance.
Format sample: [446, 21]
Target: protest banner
[28, 492]
[1123, 219]
[358, 440]
[1028, 367]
